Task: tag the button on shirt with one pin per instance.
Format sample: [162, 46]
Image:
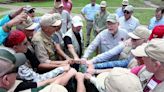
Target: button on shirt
[90, 11]
[106, 41]
[154, 22]
[129, 24]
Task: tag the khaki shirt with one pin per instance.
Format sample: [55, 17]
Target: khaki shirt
[100, 21]
[44, 47]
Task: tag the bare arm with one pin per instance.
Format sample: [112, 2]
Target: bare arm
[72, 51]
[61, 52]
[80, 82]
[18, 19]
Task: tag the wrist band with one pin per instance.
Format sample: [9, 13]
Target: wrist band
[7, 27]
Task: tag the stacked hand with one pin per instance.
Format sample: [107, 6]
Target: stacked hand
[66, 68]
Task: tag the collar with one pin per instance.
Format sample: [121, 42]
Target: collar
[45, 36]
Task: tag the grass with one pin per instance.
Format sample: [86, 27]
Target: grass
[143, 15]
[81, 3]
[158, 2]
[2, 0]
[3, 9]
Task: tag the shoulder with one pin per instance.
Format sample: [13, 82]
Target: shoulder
[68, 33]
[88, 5]
[123, 31]
[37, 36]
[135, 19]
[97, 5]
[104, 32]
[119, 9]
[152, 19]
[121, 18]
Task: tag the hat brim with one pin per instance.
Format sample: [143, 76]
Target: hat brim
[140, 51]
[57, 23]
[101, 79]
[32, 27]
[133, 36]
[102, 5]
[78, 24]
[113, 21]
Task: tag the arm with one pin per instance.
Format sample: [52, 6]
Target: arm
[4, 20]
[7, 27]
[95, 23]
[80, 82]
[7, 18]
[91, 48]
[68, 44]
[83, 13]
[41, 54]
[18, 19]
[109, 54]
[69, 21]
[111, 64]
[72, 51]
[61, 52]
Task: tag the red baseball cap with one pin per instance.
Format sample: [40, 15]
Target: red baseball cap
[157, 32]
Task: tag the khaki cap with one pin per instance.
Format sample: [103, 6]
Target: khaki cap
[153, 49]
[27, 8]
[122, 80]
[58, 4]
[129, 8]
[141, 32]
[27, 24]
[112, 18]
[103, 4]
[77, 21]
[125, 2]
[51, 19]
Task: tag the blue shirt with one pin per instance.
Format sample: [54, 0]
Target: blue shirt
[3, 34]
[89, 11]
[108, 54]
[154, 22]
[119, 12]
[37, 20]
[4, 20]
[110, 64]
[105, 41]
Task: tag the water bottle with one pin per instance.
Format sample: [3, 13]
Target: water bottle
[83, 68]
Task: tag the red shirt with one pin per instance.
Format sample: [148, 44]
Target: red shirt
[147, 88]
[153, 80]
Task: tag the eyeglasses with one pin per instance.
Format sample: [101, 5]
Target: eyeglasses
[127, 12]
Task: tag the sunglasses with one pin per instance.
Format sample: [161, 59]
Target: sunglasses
[134, 40]
[31, 11]
[127, 12]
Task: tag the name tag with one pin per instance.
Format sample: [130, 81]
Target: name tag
[152, 84]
